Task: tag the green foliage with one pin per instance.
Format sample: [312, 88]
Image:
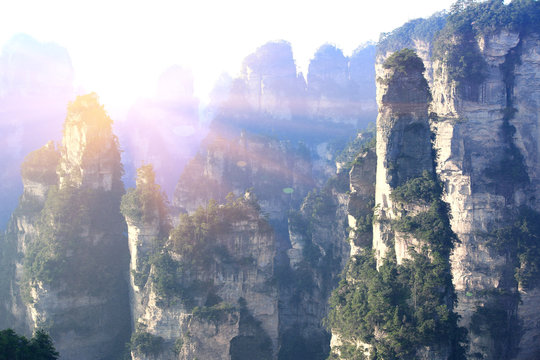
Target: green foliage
[405, 302]
[457, 43]
[8, 256]
[432, 227]
[406, 63]
[17, 347]
[347, 351]
[166, 274]
[411, 303]
[423, 189]
[90, 111]
[320, 204]
[489, 17]
[362, 142]
[215, 313]
[195, 241]
[40, 165]
[364, 224]
[521, 241]
[63, 255]
[178, 345]
[457, 47]
[195, 235]
[421, 29]
[146, 202]
[403, 62]
[146, 343]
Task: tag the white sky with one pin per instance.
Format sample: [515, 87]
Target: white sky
[119, 48]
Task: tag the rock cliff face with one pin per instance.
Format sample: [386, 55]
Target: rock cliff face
[68, 277]
[361, 201]
[485, 135]
[90, 150]
[39, 175]
[318, 251]
[208, 290]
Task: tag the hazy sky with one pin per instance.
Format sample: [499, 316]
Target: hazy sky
[119, 48]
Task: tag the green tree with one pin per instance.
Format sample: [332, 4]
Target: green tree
[17, 347]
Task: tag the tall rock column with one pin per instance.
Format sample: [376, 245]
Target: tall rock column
[403, 144]
[397, 301]
[71, 276]
[148, 227]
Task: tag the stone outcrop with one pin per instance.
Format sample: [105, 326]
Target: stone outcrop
[68, 230]
[222, 303]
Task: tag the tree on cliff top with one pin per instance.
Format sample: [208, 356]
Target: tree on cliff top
[146, 202]
[89, 110]
[404, 61]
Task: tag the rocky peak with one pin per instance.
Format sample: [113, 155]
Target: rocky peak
[273, 85]
[403, 87]
[89, 149]
[328, 72]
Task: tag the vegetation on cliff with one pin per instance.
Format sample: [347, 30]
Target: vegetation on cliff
[454, 36]
[89, 111]
[194, 243]
[144, 343]
[146, 202]
[417, 29]
[64, 254]
[40, 165]
[404, 61]
[398, 308]
[405, 80]
[457, 43]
